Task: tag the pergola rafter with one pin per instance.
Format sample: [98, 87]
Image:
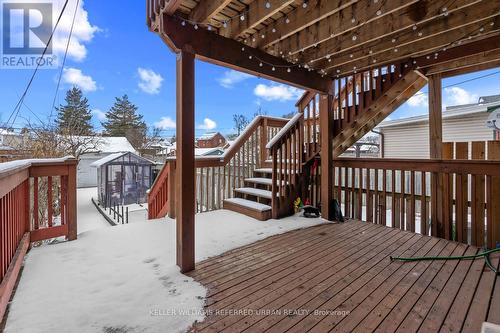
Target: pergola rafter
[388, 28]
[410, 45]
[258, 11]
[206, 9]
[299, 20]
[355, 20]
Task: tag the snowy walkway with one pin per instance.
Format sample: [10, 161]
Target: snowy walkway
[124, 278]
[88, 216]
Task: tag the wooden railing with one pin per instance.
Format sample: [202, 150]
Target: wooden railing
[161, 197]
[37, 202]
[353, 104]
[452, 199]
[217, 176]
[286, 150]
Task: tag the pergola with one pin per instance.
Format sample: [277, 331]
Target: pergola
[312, 45]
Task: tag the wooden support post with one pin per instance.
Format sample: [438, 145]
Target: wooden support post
[326, 121]
[71, 202]
[436, 152]
[185, 178]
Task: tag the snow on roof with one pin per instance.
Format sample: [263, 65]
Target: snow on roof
[208, 135]
[114, 156]
[451, 112]
[208, 151]
[108, 144]
[4, 131]
[106, 159]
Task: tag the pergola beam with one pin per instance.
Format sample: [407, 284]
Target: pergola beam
[206, 9]
[257, 13]
[300, 19]
[396, 26]
[213, 48]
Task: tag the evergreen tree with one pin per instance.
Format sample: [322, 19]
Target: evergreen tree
[74, 118]
[123, 120]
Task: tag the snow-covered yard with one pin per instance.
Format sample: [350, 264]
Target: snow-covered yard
[124, 278]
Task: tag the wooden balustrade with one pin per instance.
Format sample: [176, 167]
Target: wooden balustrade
[37, 202]
[397, 193]
[286, 150]
[217, 176]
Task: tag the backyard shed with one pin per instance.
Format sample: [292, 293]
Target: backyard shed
[123, 178]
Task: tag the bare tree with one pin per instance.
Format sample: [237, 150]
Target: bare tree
[240, 122]
[46, 140]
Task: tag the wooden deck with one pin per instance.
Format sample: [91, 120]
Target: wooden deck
[339, 277]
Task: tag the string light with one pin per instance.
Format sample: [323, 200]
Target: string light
[242, 17]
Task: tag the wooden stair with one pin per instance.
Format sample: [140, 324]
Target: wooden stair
[277, 160]
[255, 198]
[388, 100]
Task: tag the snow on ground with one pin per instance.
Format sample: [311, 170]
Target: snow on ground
[88, 216]
[124, 278]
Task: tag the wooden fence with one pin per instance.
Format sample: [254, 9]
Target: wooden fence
[37, 202]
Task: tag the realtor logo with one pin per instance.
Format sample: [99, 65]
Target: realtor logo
[26, 31]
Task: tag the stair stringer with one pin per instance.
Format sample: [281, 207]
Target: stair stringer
[398, 94]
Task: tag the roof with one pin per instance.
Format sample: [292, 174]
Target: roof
[208, 151]
[451, 112]
[489, 99]
[108, 144]
[4, 131]
[115, 156]
[209, 136]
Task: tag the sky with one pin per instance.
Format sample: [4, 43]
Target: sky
[112, 53]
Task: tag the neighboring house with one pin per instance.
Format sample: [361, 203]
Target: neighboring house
[409, 137]
[105, 146]
[211, 140]
[157, 149]
[9, 145]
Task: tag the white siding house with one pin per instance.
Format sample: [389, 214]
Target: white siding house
[86, 175]
[409, 137]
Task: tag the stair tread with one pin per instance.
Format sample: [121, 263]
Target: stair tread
[269, 170]
[261, 181]
[254, 191]
[249, 204]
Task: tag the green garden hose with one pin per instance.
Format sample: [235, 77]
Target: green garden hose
[485, 254]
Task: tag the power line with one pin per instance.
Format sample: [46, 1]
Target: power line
[463, 82]
[19, 104]
[64, 60]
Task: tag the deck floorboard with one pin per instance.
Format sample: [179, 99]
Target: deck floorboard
[339, 278]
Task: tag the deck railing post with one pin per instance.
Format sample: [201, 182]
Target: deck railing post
[71, 208]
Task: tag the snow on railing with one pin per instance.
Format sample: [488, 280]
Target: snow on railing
[29, 191]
